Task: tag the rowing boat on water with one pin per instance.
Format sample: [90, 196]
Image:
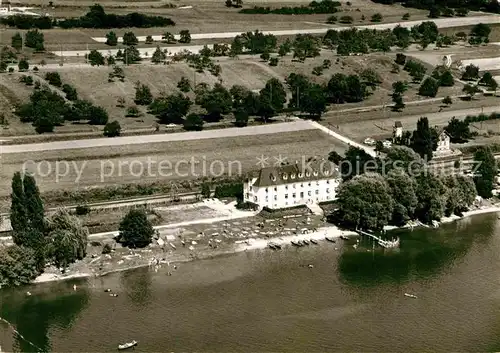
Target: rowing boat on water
[127, 345]
[410, 295]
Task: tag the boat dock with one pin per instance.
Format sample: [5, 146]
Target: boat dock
[388, 244]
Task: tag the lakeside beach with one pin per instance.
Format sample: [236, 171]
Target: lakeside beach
[232, 245]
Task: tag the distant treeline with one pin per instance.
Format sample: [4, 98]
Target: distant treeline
[490, 6]
[481, 117]
[322, 7]
[95, 18]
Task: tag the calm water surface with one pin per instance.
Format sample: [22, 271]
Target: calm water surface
[271, 301]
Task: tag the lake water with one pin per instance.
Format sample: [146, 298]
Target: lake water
[351, 300]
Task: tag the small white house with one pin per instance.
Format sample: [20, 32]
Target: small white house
[397, 130]
[292, 185]
[443, 144]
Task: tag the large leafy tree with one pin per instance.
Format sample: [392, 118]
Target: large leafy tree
[158, 56]
[458, 130]
[129, 38]
[305, 46]
[17, 41]
[217, 101]
[313, 101]
[461, 193]
[33, 203]
[27, 216]
[95, 58]
[402, 157]
[111, 38]
[403, 191]
[18, 216]
[34, 39]
[355, 162]
[18, 266]
[429, 87]
[272, 98]
[486, 171]
[143, 95]
[423, 139]
[170, 109]
[68, 238]
[432, 196]
[135, 229]
[365, 202]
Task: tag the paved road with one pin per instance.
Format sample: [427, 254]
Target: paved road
[440, 22]
[181, 136]
[368, 150]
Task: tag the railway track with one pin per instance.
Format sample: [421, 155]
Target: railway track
[146, 200]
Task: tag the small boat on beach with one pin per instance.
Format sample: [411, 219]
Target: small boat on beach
[411, 295]
[344, 237]
[127, 345]
[313, 241]
[332, 240]
[305, 242]
[113, 295]
[296, 243]
[277, 246]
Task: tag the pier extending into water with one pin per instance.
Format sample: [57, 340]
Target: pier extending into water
[388, 244]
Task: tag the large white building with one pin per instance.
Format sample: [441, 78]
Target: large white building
[292, 185]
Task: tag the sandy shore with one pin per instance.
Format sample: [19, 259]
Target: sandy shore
[259, 243]
[50, 277]
[320, 234]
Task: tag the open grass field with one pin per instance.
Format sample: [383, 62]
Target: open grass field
[458, 52]
[169, 161]
[207, 16]
[92, 83]
[493, 37]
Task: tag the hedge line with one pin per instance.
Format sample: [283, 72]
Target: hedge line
[323, 7]
[481, 117]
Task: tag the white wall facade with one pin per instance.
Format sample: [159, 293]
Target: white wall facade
[443, 144]
[295, 193]
[398, 132]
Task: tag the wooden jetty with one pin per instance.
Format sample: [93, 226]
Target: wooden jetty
[388, 244]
